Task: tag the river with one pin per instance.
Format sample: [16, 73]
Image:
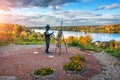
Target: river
[95, 36]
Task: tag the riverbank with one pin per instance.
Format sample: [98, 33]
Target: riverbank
[20, 60]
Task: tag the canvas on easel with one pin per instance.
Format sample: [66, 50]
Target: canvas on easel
[60, 39]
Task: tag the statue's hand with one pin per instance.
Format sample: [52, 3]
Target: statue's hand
[52, 32]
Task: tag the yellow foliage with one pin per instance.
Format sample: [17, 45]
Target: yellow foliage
[69, 39]
[23, 34]
[75, 39]
[114, 45]
[13, 34]
[15, 29]
[88, 39]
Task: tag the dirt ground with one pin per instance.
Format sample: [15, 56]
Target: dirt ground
[22, 61]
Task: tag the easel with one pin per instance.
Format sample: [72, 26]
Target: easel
[60, 39]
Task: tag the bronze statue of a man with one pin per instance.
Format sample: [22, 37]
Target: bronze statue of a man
[47, 38]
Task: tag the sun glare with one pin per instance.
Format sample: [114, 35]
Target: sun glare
[1, 17]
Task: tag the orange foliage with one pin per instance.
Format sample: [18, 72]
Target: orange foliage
[85, 40]
[5, 37]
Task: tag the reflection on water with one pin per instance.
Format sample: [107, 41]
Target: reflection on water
[95, 36]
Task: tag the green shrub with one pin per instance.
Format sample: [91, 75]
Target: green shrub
[73, 43]
[73, 65]
[77, 57]
[44, 71]
[114, 52]
[33, 35]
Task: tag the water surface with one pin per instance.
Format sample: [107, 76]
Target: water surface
[95, 36]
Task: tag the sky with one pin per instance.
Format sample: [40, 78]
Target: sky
[52, 12]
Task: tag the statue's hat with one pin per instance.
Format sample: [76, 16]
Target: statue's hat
[47, 26]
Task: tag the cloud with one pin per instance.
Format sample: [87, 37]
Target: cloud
[113, 6]
[4, 5]
[69, 18]
[55, 8]
[8, 4]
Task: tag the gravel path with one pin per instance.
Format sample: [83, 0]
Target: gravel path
[110, 67]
